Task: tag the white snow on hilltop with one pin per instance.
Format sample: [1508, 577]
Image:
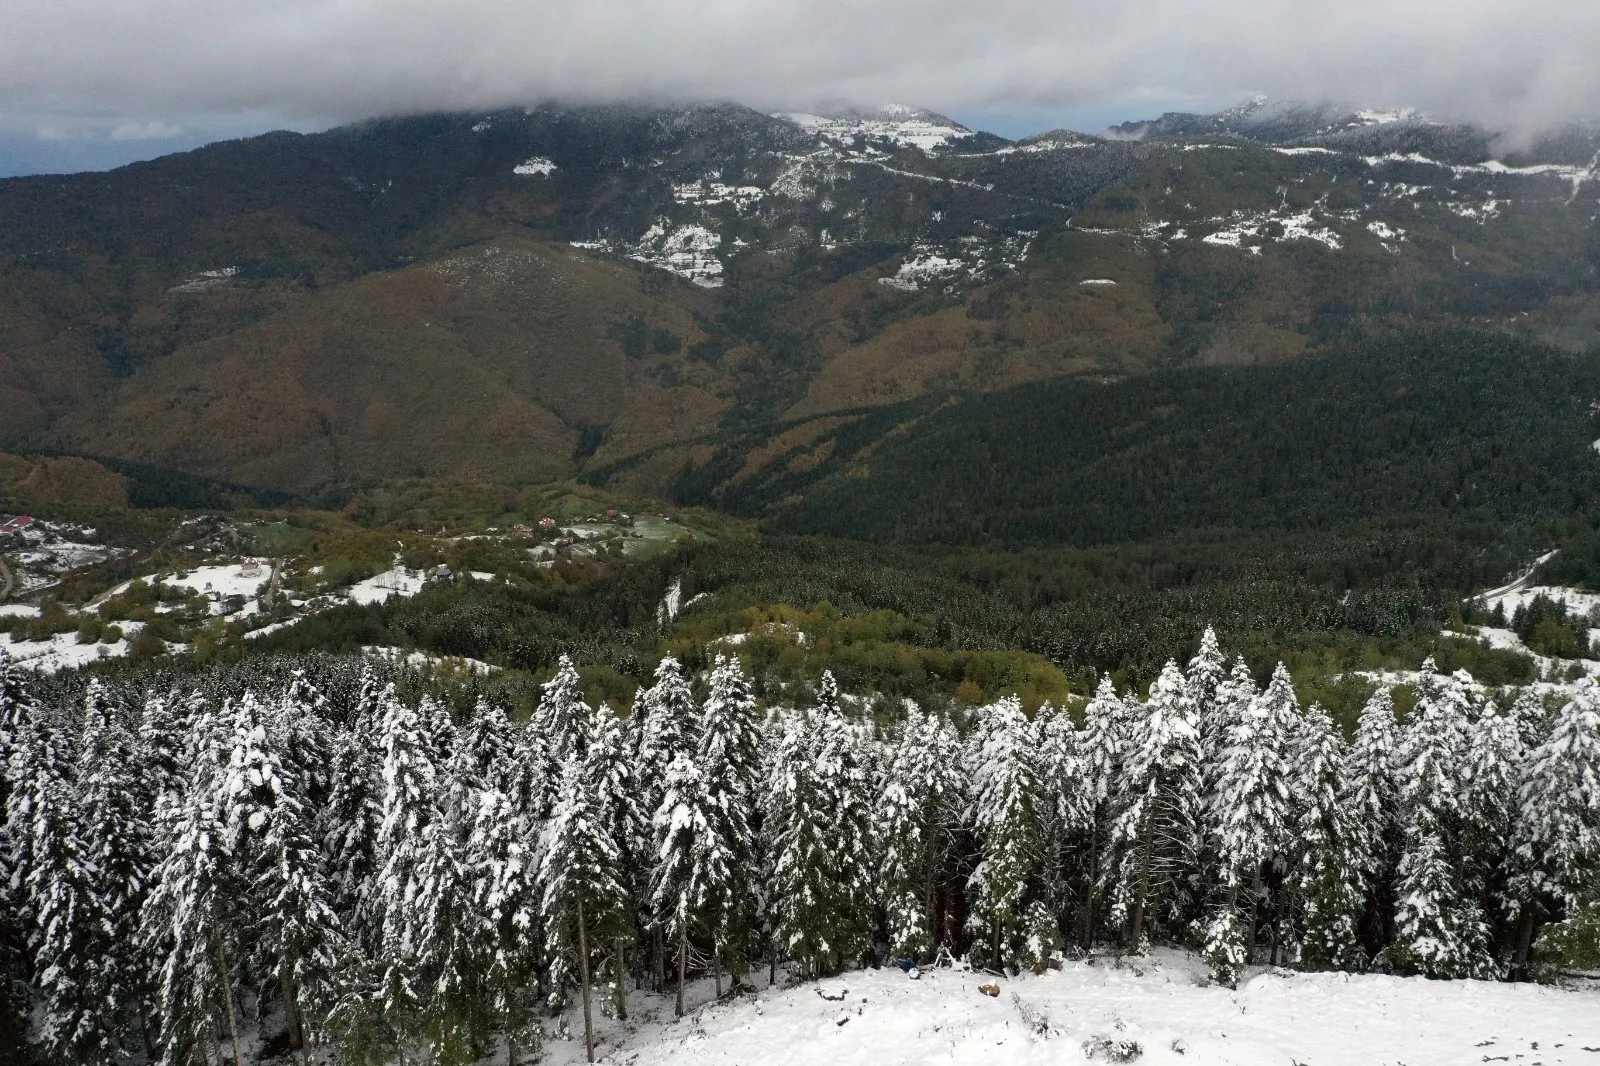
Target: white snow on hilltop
[901, 126]
[1159, 1010]
[537, 166]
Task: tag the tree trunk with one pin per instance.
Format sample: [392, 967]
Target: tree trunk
[583, 975]
[227, 999]
[291, 1013]
[511, 1037]
[1519, 962]
[1088, 892]
[1146, 846]
[683, 965]
[622, 988]
[716, 970]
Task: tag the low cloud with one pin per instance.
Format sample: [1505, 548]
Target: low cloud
[1512, 66]
[145, 131]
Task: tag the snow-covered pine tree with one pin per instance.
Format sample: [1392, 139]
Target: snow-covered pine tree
[1067, 805]
[917, 821]
[348, 828]
[1249, 816]
[504, 862]
[16, 713]
[1007, 791]
[583, 901]
[490, 741]
[162, 742]
[1528, 711]
[1102, 749]
[729, 760]
[116, 831]
[616, 804]
[1439, 928]
[68, 920]
[693, 869]
[1494, 766]
[297, 938]
[1158, 821]
[298, 719]
[667, 716]
[562, 726]
[452, 940]
[1206, 677]
[1327, 864]
[1373, 791]
[191, 918]
[818, 831]
[410, 814]
[1556, 839]
[1438, 932]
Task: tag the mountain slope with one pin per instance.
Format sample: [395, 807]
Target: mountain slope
[615, 290]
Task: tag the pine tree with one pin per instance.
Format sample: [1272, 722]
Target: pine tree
[1327, 873]
[1006, 789]
[116, 832]
[584, 903]
[1372, 785]
[297, 936]
[190, 918]
[1438, 933]
[562, 725]
[1102, 750]
[1556, 839]
[410, 816]
[729, 759]
[503, 862]
[1249, 810]
[452, 940]
[1528, 711]
[818, 834]
[1206, 679]
[666, 714]
[1494, 764]
[348, 827]
[1155, 836]
[69, 921]
[299, 722]
[692, 862]
[16, 714]
[1439, 928]
[917, 816]
[623, 819]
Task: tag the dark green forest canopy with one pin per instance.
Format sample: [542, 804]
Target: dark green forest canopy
[1428, 425]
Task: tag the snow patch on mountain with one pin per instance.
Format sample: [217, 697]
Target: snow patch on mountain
[688, 251]
[1250, 229]
[968, 259]
[537, 166]
[708, 192]
[896, 124]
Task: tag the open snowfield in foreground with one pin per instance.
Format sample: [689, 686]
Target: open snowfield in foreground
[1075, 1015]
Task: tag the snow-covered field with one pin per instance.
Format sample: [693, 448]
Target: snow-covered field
[1087, 1012]
[63, 652]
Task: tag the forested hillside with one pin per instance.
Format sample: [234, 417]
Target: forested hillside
[1414, 425]
[613, 291]
[296, 855]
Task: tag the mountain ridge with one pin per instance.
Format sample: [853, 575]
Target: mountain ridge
[542, 292]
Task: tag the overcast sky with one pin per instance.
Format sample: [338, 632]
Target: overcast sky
[113, 79]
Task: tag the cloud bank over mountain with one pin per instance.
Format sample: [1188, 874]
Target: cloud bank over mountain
[1508, 65]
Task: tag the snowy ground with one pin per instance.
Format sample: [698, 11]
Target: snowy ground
[63, 652]
[1082, 1013]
